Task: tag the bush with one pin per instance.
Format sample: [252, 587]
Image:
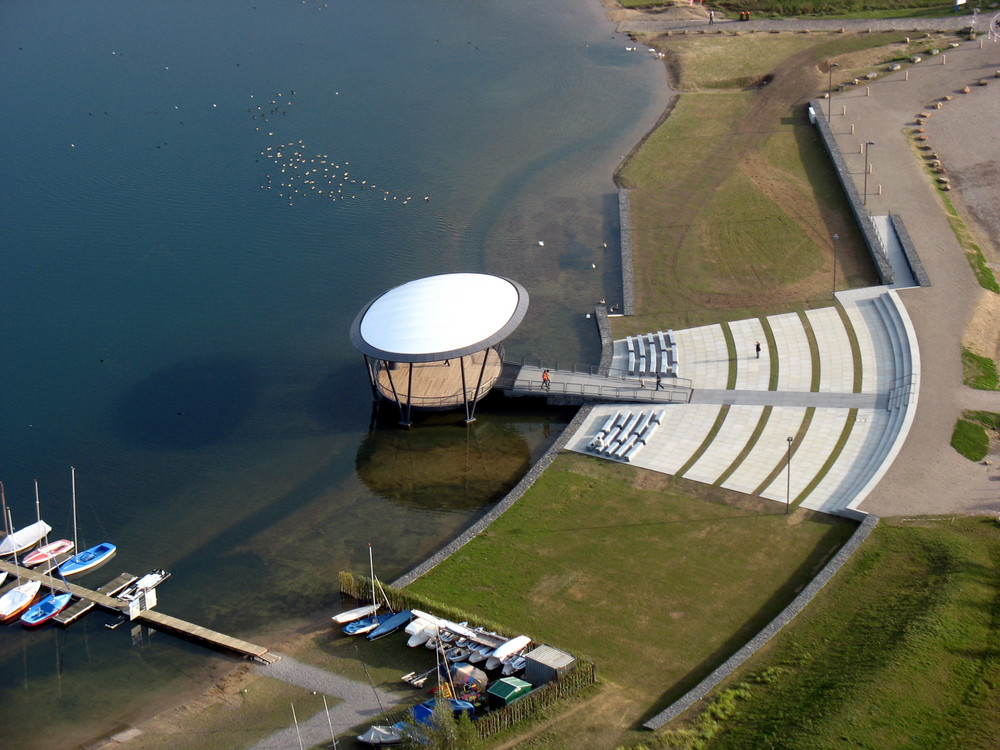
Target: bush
[970, 439]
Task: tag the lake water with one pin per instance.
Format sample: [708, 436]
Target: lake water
[198, 198]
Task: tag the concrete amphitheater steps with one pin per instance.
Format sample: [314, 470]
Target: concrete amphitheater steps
[884, 408]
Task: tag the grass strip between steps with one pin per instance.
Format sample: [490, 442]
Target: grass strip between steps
[852, 416]
[727, 334]
[772, 348]
[751, 442]
[855, 346]
[813, 350]
[723, 413]
[796, 440]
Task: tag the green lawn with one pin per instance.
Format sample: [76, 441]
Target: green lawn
[899, 650]
[979, 372]
[622, 566]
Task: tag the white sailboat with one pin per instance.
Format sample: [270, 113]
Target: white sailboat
[19, 598]
[22, 539]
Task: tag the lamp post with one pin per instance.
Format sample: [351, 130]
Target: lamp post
[836, 237]
[788, 488]
[868, 145]
[829, 93]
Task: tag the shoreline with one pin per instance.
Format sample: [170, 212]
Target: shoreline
[225, 682]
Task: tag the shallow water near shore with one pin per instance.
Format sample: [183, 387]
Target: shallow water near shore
[176, 296]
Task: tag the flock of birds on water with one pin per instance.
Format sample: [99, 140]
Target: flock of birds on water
[296, 173]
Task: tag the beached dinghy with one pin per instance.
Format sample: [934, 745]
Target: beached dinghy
[391, 625]
[355, 614]
[384, 736]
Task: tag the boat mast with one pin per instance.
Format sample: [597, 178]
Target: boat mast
[371, 567]
[76, 544]
[3, 498]
[38, 511]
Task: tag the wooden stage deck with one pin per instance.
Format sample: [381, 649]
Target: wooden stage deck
[437, 385]
[150, 617]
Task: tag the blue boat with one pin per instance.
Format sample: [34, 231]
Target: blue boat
[423, 713]
[391, 625]
[365, 624]
[45, 610]
[88, 559]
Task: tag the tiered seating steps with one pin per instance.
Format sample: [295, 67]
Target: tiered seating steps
[652, 354]
[625, 433]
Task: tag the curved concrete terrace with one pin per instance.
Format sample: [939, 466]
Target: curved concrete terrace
[841, 381]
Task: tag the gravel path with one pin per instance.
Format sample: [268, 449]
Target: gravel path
[357, 704]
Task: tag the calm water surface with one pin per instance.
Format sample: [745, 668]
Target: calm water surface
[198, 199]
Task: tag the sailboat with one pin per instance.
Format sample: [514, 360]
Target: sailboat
[20, 540]
[46, 609]
[89, 558]
[368, 624]
[19, 598]
[48, 550]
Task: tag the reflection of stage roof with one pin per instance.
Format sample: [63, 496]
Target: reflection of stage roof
[440, 317]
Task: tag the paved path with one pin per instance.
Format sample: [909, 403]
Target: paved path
[648, 25]
[928, 476]
[354, 703]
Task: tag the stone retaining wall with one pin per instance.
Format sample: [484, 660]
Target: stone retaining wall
[628, 280]
[909, 250]
[854, 198]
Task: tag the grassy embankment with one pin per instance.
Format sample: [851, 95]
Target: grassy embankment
[733, 198]
[900, 650]
[656, 580]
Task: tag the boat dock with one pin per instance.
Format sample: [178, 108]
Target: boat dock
[103, 597]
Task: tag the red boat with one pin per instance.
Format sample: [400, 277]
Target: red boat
[40, 555]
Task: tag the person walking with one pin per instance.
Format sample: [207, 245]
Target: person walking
[546, 381]
[711, 17]
[757, 347]
[659, 382]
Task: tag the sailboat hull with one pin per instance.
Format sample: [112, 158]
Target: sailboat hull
[88, 559]
[45, 610]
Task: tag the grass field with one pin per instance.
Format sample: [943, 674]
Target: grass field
[733, 198]
[656, 580]
[826, 8]
[979, 372]
[899, 650]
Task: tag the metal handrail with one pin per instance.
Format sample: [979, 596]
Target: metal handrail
[591, 369]
[593, 390]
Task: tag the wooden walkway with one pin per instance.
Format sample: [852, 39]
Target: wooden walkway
[102, 598]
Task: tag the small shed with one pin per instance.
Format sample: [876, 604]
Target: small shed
[545, 664]
[505, 691]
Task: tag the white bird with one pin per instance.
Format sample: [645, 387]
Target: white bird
[593, 265]
[541, 244]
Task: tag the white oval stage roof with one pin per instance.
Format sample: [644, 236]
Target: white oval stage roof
[440, 317]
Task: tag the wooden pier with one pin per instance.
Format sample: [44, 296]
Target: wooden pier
[103, 597]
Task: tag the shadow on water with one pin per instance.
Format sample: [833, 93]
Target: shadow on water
[433, 467]
[189, 404]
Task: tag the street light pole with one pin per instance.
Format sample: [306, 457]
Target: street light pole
[788, 488]
[829, 94]
[868, 145]
[836, 237]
